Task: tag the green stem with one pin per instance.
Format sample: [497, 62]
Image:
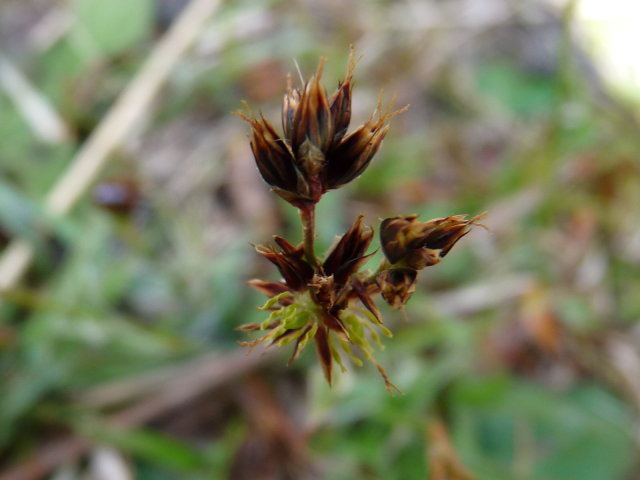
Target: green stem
[307, 216]
[384, 265]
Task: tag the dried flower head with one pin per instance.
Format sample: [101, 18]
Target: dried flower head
[397, 285]
[315, 154]
[330, 305]
[410, 245]
[407, 242]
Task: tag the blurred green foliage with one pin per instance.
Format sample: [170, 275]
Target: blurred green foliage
[110, 297]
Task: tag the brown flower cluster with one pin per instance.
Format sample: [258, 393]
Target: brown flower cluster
[410, 245]
[331, 302]
[315, 154]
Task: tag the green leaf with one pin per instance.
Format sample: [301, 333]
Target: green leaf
[114, 26]
[523, 94]
[18, 214]
[158, 448]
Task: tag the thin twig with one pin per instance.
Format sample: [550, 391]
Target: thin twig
[48, 459]
[193, 381]
[127, 111]
[36, 110]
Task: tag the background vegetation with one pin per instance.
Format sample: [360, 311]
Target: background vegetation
[519, 355]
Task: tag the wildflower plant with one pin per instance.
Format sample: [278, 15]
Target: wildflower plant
[330, 301]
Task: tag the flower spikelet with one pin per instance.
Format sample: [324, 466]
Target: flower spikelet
[315, 154]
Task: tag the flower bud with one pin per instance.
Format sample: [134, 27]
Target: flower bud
[396, 285]
[354, 153]
[346, 257]
[276, 162]
[290, 261]
[340, 103]
[406, 242]
[315, 154]
[323, 291]
[290, 105]
[312, 117]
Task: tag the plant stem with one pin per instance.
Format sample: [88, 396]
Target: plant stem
[384, 265]
[308, 219]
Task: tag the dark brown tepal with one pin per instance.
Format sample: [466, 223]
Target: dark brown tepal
[330, 301]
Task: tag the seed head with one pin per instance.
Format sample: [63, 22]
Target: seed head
[315, 154]
[397, 285]
[348, 254]
[406, 242]
[410, 245]
[330, 305]
[290, 261]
